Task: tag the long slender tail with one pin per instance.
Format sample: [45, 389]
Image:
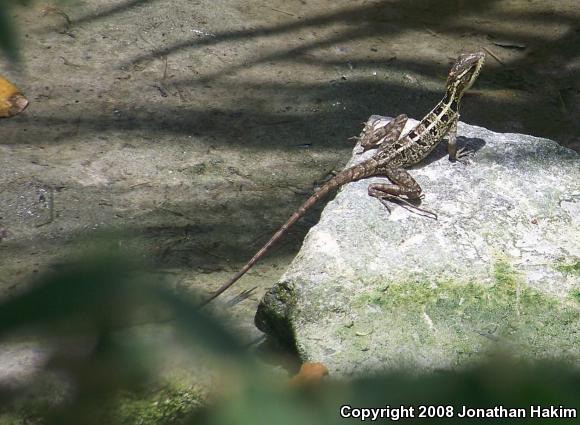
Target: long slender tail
[351, 174]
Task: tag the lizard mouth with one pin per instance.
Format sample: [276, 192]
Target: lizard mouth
[465, 70]
[478, 64]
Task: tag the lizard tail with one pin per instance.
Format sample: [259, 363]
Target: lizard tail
[351, 174]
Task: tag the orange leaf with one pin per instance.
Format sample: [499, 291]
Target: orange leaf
[12, 101]
[309, 374]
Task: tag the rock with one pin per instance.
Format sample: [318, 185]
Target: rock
[499, 269]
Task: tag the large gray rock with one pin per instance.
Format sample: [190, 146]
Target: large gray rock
[499, 268]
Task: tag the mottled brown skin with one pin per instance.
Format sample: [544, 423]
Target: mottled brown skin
[394, 153]
[389, 133]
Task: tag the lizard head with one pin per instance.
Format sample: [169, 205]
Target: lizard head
[464, 72]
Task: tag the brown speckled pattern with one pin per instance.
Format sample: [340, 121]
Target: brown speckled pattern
[393, 153]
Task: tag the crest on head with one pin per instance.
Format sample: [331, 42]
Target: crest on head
[465, 71]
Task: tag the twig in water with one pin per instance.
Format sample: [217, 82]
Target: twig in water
[281, 11]
[494, 56]
[244, 295]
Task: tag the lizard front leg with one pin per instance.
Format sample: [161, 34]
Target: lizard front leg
[388, 134]
[454, 153]
[403, 184]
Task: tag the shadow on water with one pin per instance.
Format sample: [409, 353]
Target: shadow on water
[209, 233]
[276, 116]
[377, 19]
[109, 12]
[383, 20]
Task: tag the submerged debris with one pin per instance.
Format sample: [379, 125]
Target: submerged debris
[12, 101]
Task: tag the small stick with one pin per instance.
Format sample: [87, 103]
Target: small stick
[244, 295]
[494, 56]
[282, 11]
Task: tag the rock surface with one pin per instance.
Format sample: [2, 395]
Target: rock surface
[371, 290]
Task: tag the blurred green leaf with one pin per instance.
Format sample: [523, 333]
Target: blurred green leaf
[502, 381]
[8, 30]
[102, 295]
[83, 290]
[198, 326]
[7, 34]
[99, 298]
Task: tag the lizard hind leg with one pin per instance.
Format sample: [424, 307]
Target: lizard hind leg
[403, 185]
[387, 134]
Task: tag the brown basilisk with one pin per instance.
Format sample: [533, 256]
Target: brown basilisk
[394, 153]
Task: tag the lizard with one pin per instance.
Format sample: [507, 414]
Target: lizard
[394, 153]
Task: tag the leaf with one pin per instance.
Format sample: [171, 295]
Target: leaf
[8, 39]
[78, 294]
[12, 101]
[104, 293]
[309, 374]
[7, 36]
[200, 328]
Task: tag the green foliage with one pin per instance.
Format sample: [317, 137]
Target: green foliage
[7, 37]
[7, 32]
[115, 380]
[97, 299]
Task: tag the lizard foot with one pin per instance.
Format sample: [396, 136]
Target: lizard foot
[464, 155]
[385, 204]
[405, 204]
